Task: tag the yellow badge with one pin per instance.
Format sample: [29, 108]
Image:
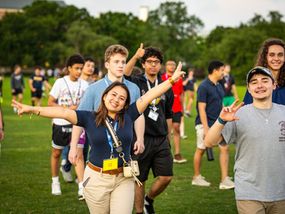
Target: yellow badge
[110, 164]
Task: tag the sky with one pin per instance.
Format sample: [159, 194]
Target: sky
[228, 13]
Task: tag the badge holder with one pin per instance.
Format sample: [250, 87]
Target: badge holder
[128, 171]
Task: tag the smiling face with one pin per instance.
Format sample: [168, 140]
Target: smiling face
[115, 100]
[260, 87]
[275, 57]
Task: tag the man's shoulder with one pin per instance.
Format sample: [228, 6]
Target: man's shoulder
[131, 86]
[97, 85]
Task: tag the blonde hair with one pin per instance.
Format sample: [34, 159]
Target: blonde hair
[115, 49]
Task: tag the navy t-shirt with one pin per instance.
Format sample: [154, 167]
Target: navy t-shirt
[97, 136]
[38, 81]
[278, 96]
[212, 95]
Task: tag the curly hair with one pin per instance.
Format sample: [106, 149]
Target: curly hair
[152, 52]
[262, 57]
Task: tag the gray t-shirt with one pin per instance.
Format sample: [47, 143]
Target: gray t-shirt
[259, 136]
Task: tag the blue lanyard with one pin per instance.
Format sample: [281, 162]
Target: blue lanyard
[109, 137]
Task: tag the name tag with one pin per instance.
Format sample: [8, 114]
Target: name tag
[110, 164]
[153, 115]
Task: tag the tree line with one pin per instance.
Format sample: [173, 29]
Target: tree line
[45, 33]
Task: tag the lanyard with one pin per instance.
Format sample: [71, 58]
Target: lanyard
[78, 92]
[109, 137]
[149, 87]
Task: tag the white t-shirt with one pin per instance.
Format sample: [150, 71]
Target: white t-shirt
[67, 93]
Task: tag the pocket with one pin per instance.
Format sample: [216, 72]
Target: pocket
[86, 182]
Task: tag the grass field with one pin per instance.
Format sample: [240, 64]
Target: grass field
[25, 172]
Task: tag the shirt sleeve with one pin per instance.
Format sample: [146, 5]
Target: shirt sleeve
[229, 133]
[133, 111]
[83, 117]
[169, 103]
[202, 94]
[247, 98]
[55, 90]
[87, 101]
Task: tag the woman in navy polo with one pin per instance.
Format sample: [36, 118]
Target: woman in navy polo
[106, 190]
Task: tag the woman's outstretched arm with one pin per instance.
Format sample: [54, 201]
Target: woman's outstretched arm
[160, 89]
[49, 112]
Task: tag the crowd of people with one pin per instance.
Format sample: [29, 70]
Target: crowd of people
[108, 127]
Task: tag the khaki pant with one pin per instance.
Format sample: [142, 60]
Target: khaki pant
[260, 207]
[106, 193]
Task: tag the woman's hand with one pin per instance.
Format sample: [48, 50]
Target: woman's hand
[178, 73]
[22, 109]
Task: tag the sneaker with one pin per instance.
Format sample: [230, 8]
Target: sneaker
[227, 183]
[63, 162]
[200, 181]
[184, 137]
[80, 194]
[148, 206]
[55, 188]
[67, 176]
[179, 159]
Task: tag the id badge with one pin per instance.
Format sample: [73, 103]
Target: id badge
[153, 115]
[110, 164]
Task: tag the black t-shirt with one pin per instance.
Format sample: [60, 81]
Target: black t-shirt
[227, 82]
[158, 127]
[38, 81]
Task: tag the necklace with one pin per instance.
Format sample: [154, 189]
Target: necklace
[263, 113]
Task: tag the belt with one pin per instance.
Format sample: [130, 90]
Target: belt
[110, 172]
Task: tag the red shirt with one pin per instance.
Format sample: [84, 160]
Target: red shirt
[177, 89]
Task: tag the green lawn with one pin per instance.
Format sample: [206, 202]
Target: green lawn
[25, 172]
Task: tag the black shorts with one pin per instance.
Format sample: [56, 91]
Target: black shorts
[17, 91]
[61, 136]
[156, 156]
[176, 117]
[37, 94]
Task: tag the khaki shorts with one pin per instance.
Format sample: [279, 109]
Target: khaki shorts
[260, 207]
[200, 136]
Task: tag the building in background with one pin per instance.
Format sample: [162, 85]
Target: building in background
[8, 6]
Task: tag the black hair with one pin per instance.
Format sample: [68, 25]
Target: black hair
[74, 59]
[152, 52]
[215, 64]
[89, 58]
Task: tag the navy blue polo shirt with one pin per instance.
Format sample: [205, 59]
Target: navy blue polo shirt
[97, 136]
[212, 95]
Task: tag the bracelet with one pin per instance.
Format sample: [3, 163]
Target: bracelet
[39, 112]
[171, 80]
[221, 121]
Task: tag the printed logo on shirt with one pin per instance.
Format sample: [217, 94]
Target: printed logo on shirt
[282, 131]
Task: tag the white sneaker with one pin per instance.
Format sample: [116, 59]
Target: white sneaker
[200, 181]
[55, 188]
[227, 183]
[67, 176]
[80, 194]
[63, 162]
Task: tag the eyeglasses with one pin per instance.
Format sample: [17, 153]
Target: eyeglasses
[153, 62]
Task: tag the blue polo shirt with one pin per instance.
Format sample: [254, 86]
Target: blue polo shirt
[97, 136]
[278, 96]
[212, 95]
[92, 96]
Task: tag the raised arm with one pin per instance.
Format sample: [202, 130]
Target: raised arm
[214, 135]
[49, 112]
[157, 91]
[132, 62]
